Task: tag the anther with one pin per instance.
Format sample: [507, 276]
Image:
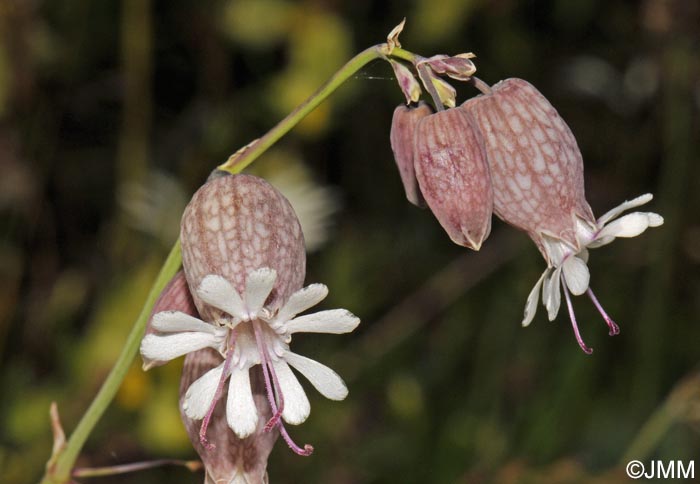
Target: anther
[614, 328]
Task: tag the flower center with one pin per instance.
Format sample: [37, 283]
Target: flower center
[248, 343]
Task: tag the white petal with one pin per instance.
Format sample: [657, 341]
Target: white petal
[176, 322]
[302, 300]
[258, 286]
[296, 404]
[168, 347]
[555, 249]
[241, 412]
[532, 300]
[201, 393]
[334, 321]
[325, 380]
[630, 225]
[576, 275]
[655, 219]
[218, 292]
[600, 242]
[551, 293]
[636, 202]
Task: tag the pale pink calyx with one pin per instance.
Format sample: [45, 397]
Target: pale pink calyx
[535, 163]
[453, 175]
[237, 224]
[567, 267]
[174, 297]
[248, 334]
[402, 137]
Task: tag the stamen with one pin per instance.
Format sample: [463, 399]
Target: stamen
[267, 370]
[277, 411]
[219, 390]
[572, 317]
[306, 451]
[614, 328]
[278, 390]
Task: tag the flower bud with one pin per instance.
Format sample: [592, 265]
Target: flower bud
[403, 127]
[453, 175]
[234, 225]
[407, 82]
[459, 67]
[536, 165]
[228, 459]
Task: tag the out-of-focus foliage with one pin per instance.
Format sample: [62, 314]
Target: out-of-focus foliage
[112, 113]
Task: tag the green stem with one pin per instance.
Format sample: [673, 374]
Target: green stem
[59, 467]
[240, 160]
[59, 470]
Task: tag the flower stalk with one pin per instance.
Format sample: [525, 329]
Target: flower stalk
[241, 159]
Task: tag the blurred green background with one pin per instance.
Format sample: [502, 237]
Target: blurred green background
[112, 113]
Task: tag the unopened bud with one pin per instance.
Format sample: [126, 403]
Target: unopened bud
[459, 67]
[407, 82]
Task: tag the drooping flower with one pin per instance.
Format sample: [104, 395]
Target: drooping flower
[535, 164]
[537, 173]
[244, 261]
[453, 175]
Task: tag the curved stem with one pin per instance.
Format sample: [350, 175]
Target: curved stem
[244, 157]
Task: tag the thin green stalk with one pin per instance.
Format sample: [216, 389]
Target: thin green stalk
[59, 467]
[240, 160]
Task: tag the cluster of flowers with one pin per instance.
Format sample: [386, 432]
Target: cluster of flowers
[509, 152]
[233, 309]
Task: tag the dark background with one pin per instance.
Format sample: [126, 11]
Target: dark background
[112, 113]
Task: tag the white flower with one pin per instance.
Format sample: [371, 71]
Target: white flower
[566, 266]
[251, 334]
